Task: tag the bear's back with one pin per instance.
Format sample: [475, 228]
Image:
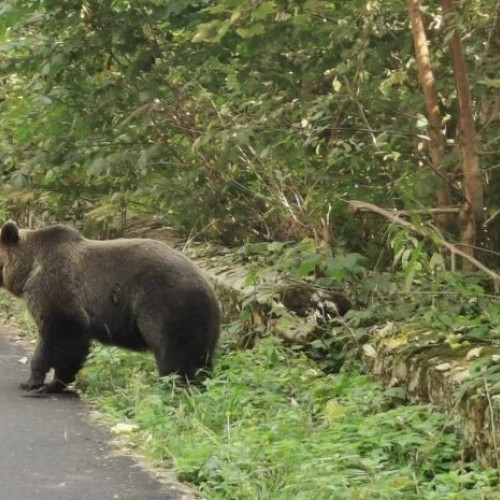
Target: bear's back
[136, 252]
[54, 235]
[70, 265]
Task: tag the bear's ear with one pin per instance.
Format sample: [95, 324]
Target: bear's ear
[9, 234]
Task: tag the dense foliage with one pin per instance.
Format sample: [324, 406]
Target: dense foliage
[233, 119]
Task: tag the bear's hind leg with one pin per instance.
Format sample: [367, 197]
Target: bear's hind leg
[169, 358]
[179, 344]
[174, 361]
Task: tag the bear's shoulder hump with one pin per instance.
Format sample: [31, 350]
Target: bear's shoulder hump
[57, 234]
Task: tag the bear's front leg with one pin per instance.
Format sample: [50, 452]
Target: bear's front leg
[40, 365]
[67, 357]
[64, 345]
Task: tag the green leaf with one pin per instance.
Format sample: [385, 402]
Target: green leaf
[252, 31]
[422, 122]
[265, 9]
[490, 82]
[309, 264]
[208, 32]
[413, 265]
[96, 168]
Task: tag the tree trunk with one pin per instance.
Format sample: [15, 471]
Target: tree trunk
[435, 131]
[471, 214]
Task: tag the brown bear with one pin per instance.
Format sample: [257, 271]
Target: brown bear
[134, 293]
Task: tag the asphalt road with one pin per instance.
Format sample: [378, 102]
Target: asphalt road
[49, 452]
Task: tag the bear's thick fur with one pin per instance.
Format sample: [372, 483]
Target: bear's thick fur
[134, 293]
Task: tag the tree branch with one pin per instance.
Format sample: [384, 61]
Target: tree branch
[454, 250]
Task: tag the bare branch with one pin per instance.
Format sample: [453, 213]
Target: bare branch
[424, 233]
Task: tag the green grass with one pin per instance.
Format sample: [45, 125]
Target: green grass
[269, 425]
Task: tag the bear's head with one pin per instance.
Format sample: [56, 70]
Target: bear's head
[15, 258]
[24, 253]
